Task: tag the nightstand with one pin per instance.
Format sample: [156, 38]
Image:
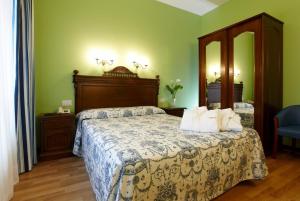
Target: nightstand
[57, 135]
[176, 111]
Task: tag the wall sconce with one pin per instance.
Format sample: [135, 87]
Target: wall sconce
[215, 71]
[237, 72]
[215, 74]
[105, 62]
[139, 65]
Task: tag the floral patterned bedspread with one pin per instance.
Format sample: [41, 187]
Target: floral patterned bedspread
[140, 154]
[247, 117]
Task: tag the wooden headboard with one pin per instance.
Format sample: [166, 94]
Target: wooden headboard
[117, 88]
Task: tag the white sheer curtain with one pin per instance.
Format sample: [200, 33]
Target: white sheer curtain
[8, 145]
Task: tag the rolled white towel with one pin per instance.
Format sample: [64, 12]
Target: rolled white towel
[229, 120]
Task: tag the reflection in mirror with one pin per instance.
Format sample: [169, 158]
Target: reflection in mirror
[244, 67]
[213, 74]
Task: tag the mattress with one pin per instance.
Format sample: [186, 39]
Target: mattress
[141, 154]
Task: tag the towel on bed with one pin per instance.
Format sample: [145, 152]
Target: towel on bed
[203, 120]
[200, 120]
[208, 122]
[190, 118]
[229, 120]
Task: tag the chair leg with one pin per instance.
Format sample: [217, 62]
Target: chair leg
[275, 144]
[293, 145]
[280, 143]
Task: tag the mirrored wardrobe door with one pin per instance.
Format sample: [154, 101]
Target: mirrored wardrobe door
[213, 75]
[243, 66]
[213, 70]
[244, 77]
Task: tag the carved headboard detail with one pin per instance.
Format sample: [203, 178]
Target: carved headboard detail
[116, 88]
[120, 71]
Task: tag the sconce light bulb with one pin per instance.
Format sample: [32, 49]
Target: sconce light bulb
[136, 64]
[97, 60]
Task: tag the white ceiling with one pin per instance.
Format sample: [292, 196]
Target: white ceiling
[198, 7]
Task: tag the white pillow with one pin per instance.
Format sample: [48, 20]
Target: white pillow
[208, 122]
[190, 118]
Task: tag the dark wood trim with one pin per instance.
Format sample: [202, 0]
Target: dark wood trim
[243, 22]
[120, 71]
[117, 88]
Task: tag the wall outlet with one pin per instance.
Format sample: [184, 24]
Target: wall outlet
[66, 103]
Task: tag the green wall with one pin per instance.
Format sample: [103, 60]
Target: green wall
[287, 11]
[66, 31]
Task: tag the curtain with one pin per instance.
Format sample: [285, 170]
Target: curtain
[8, 141]
[24, 92]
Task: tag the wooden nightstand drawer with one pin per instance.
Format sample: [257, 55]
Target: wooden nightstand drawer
[57, 135]
[57, 140]
[58, 122]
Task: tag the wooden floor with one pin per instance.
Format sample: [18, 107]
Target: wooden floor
[67, 180]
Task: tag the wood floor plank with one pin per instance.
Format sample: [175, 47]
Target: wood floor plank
[66, 180]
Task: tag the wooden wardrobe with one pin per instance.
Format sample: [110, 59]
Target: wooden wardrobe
[267, 69]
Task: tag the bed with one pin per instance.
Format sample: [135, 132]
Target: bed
[134, 151]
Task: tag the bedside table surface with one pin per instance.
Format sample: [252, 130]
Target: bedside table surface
[56, 114]
[175, 111]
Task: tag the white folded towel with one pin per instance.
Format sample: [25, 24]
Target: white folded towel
[209, 122]
[191, 117]
[200, 120]
[229, 120]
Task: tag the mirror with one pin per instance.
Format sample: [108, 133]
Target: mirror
[213, 74]
[244, 75]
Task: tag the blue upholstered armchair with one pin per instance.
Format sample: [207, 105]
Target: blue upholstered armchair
[287, 124]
